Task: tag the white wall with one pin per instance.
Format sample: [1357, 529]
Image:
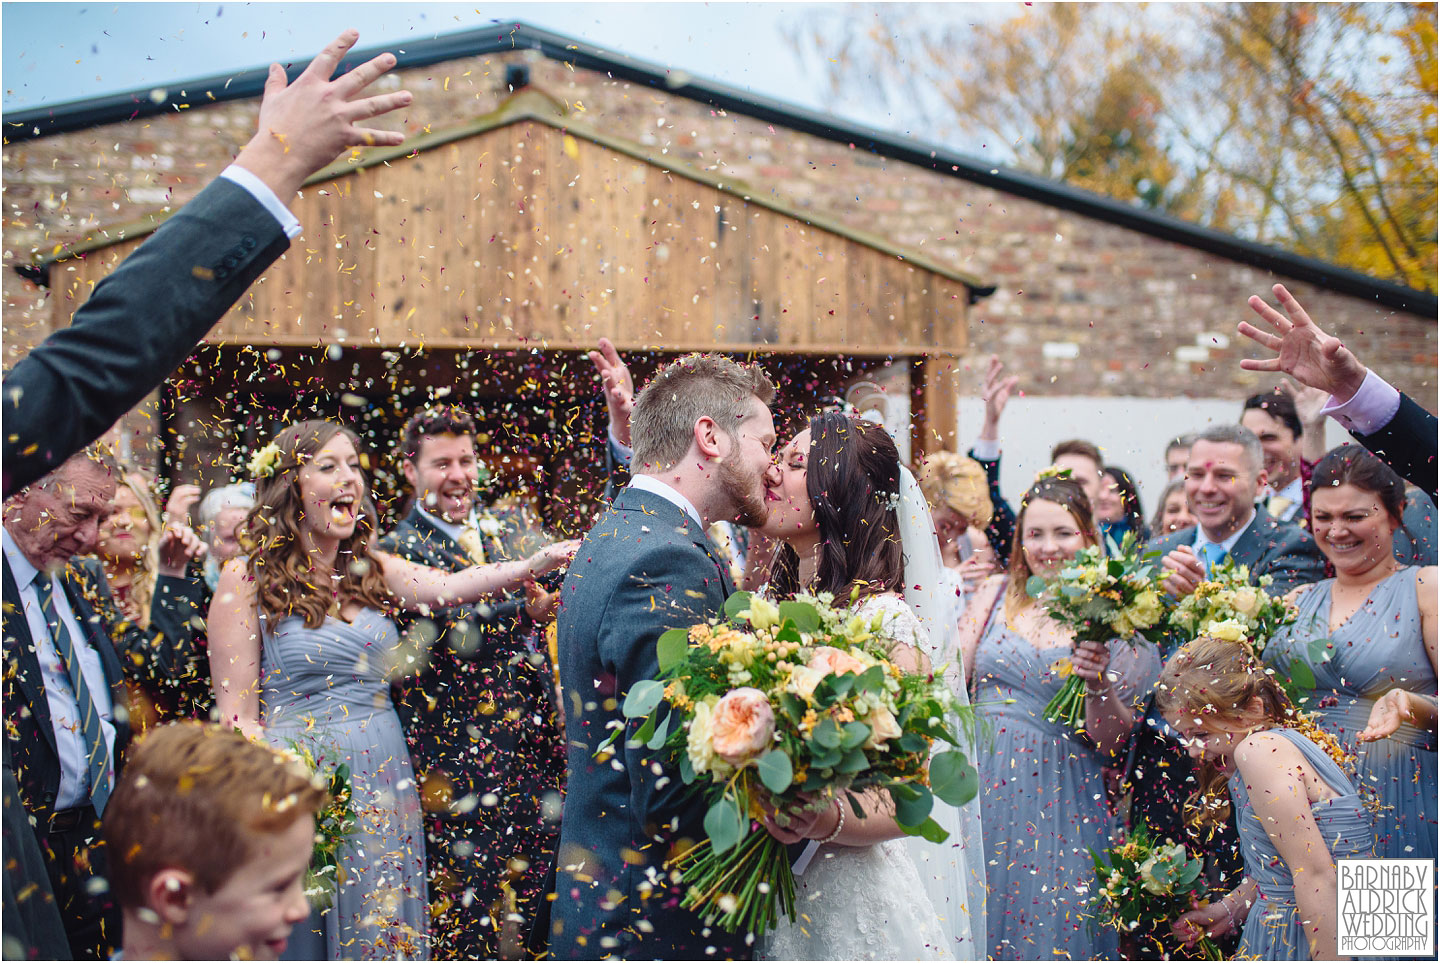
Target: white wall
[1131, 433]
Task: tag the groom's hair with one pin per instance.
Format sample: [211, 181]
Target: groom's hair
[684, 391]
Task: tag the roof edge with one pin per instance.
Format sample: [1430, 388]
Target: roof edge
[18, 126]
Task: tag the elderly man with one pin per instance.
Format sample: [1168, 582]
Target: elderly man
[65, 709]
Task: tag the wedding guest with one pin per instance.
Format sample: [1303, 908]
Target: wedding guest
[1415, 539]
[1272, 417]
[212, 836]
[303, 648]
[995, 392]
[493, 776]
[220, 513]
[1174, 511]
[65, 705]
[1381, 418]
[1177, 454]
[1223, 479]
[1296, 807]
[1117, 508]
[1042, 784]
[955, 488]
[1084, 461]
[145, 317]
[145, 563]
[1379, 618]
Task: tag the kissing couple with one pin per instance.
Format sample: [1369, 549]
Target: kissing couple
[847, 514]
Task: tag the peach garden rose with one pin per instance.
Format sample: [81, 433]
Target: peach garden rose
[742, 726]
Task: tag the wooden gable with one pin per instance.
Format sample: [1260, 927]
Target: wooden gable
[527, 229]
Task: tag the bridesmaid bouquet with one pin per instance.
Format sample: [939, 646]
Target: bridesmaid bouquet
[1227, 606]
[1101, 599]
[1142, 881]
[782, 707]
[333, 823]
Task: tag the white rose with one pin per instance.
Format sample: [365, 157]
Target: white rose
[700, 740]
[1246, 602]
[883, 727]
[803, 681]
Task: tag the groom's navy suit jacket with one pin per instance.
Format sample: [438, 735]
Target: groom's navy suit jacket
[645, 567]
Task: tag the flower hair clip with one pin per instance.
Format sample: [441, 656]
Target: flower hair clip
[892, 501]
[262, 464]
[1052, 472]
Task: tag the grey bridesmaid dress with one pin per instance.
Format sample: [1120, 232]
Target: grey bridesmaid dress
[1273, 929]
[1377, 649]
[328, 689]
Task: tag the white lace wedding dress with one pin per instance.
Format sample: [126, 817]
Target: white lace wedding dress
[865, 902]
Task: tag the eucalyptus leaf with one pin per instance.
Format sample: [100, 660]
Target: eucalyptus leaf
[855, 734]
[1321, 650]
[828, 733]
[724, 824]
[803, 614]
[854, 761]
[662, 732]
[735, 604]
[914, 810]
[1035, 586]
[775, 771]
[643, 734]
[671, 647]
[687, 769]
[929, 830]
[643, 697]
[792, 706]
[953, 779]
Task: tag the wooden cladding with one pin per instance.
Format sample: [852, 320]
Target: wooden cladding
[525, 235]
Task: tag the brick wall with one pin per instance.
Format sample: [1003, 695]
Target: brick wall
[1081, 307]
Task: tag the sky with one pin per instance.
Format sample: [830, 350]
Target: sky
[56, 52]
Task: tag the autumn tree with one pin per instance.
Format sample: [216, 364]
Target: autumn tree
[1309, 126]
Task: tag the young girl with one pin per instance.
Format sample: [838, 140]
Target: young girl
[1296, 810]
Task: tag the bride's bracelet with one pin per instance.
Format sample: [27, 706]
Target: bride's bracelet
[839, 808]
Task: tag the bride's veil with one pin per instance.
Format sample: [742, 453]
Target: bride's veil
[954, 871]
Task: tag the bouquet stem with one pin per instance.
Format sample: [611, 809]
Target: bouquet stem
[1068, 706]
[741, 889]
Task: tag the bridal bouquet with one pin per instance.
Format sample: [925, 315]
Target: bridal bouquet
[785, 706]
[1227, 606]
[1142, 880]
[333, 823]
[1101, 599]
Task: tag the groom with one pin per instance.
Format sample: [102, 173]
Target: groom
[702, 437]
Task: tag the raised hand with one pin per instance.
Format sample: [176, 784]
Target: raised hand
[619, 388]
[552, 556]
[1301, 349]
[307, 124]
[179, 546]
[996, 393]
[181, 500]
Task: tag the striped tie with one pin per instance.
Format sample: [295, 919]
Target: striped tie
[97, 756]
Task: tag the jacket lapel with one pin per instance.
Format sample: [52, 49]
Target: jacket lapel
[20, 658]
[1249, 548]
[446, 552]
[667, 512]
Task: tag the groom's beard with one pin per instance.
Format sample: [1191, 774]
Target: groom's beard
[745, 493]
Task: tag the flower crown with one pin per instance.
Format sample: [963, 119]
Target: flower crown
[263, 463]
[1052, 472]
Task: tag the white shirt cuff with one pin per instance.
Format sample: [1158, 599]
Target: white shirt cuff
[623, 453]
[1369, 410]
[986, 449]
[262, 193]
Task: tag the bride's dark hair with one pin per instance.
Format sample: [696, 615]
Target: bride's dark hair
[852, 475]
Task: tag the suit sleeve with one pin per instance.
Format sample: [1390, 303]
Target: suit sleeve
[1001, 530]
[678, 587]
[1407, 443]
[138, 325]
[1297, 562]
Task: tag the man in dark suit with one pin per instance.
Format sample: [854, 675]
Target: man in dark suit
[143, 319]
[702, 438]
[1381, 418]
[479, 718]
[65, 704]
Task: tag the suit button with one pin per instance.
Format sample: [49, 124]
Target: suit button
[221, 273]
[247, 243]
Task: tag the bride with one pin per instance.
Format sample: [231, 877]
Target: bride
[849, 514]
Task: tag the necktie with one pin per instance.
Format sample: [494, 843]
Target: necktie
[1277, 504]
[1213, 555]
[97, 756]
[469, 540]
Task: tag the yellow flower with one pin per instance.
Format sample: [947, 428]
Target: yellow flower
[263, 462]
[1064, 668]
[1147, 608]
[1246, 601]
[1228, 629]
[761, 613]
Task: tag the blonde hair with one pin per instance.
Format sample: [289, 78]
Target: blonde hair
[959, 484]
[147, 571]
[193, 796]
[1212, 678]
[1062, 491]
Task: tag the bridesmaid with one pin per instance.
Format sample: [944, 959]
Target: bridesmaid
[1379, 616]
[1043, 800]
